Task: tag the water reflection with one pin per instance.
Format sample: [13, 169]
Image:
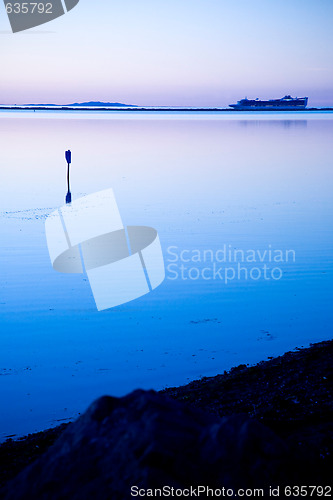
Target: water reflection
[287, 124]
[68, 197]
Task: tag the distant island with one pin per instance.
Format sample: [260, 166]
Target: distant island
[101, 104]
[77, 104]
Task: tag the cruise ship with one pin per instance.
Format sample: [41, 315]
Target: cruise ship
[287, 103]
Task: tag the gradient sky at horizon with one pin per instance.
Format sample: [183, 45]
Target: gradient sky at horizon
[175, 52]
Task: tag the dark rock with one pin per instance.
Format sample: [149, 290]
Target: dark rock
[149, 440]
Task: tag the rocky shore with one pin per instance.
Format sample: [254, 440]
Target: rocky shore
[271, 423]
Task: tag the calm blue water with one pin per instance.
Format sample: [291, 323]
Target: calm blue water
[210, 184]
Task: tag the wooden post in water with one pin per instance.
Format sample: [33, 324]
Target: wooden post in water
[68, 156]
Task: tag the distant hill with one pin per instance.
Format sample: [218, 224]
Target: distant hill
[100, 104]
[87, 104]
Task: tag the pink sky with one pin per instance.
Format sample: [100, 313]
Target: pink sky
[172, 53]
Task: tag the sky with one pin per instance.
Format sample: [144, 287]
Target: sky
[172, 53]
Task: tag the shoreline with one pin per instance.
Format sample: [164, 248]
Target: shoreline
[158, 109]
[291, 394]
